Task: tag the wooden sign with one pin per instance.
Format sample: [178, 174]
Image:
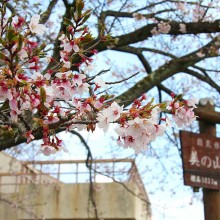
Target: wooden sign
[201, 160]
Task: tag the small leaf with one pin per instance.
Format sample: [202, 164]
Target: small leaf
[2, 56]
[67, 22]
[20, 42]
[43, 94]
[79, 7]
[11, 35]
[179, 97]
[85, 18]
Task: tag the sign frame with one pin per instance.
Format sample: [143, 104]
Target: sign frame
[201, 160]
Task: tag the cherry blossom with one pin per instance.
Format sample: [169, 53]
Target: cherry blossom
[47, 150]
[51, 119]
[82, 88]
[29, 136]
[99, 83]
[164, 27]
[184, 116]
[35, 27]
[192, 102]
[183, 28]
[75, 99]
[23, 54]
[200, 54]
[71, 46]
[103, 122]
[78, 78]
[5, 93]
[183, 113]
[138, 16]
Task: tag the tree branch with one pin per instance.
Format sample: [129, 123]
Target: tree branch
[145, 32]
[205, 79]
[164, 72]
[47, 13]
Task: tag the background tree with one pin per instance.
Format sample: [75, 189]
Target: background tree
[159, 34]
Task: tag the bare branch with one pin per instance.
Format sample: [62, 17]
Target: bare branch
[47, 13]
[205, 79]
[164, 72]
[145, 32]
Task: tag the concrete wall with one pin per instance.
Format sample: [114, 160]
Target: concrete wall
[71, 201]
[28, 200]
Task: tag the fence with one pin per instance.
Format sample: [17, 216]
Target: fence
[71, 171]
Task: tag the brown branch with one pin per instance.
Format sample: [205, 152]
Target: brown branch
[47, 13]
[125, 79]
[165, 89]
[164, 72]
[121, 14]
[150, 6]
[145, 32]
[190, 3]
[205, 79]
[8, 140]
[139, 50]
[146, 84]
[11, 8]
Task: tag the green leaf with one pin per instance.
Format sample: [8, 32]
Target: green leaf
[20, 42]
[85, 17]
[41, 48]
[79, 7]
[67, 22]
[88, 38]
[163, 105]
[11, 35]
[43, 94]
[2, 56]
[179, 97]
[24, 82]
[72, 12]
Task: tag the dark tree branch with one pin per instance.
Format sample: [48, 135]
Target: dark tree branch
[11, 8]
[164, 72]
[140, 50]
[205, 79]
[122, 14]
[47, 13]
[7, 139]
[191, 28]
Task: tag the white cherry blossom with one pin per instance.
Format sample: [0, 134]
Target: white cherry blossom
[35, 27]
[71, 46]
[184, 116]
[47, 150]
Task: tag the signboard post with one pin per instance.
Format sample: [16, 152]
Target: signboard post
[201, 164]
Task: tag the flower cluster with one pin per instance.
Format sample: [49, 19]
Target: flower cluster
[142, 124]
[162, 27]
[62, 96]
[183, 114]
[108, 115]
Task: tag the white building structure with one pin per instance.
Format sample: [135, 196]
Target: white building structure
[61, 190]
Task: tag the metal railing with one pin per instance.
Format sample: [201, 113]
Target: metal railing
[72, 171]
